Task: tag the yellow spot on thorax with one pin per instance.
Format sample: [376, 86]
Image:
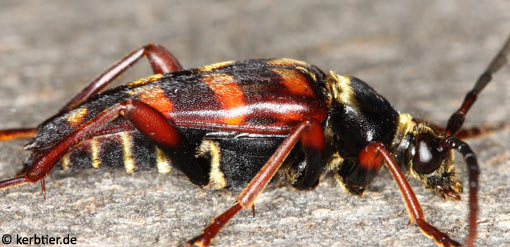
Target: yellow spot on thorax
[405, 125]
[305, 71]
[341, 89]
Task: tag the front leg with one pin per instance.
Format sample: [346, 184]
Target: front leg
[372, 156]
[354, 176]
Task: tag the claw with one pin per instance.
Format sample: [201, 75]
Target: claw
[450, 191]
[200, 241]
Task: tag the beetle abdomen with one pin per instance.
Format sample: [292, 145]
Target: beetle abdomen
[235, 161]
[231, 162]
[129, 149]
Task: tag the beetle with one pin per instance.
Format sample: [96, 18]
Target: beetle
[242, 124]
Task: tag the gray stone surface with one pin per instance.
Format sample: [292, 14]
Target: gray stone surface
[422, 55]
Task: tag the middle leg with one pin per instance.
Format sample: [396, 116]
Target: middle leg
[307, 133]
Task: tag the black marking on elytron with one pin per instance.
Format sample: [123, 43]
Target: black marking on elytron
[319, 77]
[259, 70]
[175, 87]
[57, 127]
[266, 80]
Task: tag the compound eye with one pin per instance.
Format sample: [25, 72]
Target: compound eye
[427, 157]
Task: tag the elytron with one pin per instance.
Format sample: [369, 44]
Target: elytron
[243, 124]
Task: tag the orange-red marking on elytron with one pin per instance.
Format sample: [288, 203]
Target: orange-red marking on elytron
[295, 82]
[229, 94]
[156, 98]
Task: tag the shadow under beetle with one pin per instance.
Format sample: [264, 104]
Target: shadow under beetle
[238, 124]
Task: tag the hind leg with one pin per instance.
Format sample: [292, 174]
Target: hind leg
[161, 61]
[13, 134]
[146, 119]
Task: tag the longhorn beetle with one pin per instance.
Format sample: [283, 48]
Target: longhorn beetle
[238, 124]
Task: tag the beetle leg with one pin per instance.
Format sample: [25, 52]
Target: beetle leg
[479, 131]
[161, 61]
[355, 176]
[13, 134]
[312, 142]
[474, 172]
[145, 118]
[373, 154]
[356, 173]
[303, 132]
[159, 129]
[457, 118]
[473, 132]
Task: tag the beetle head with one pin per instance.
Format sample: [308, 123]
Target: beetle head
[433, 164]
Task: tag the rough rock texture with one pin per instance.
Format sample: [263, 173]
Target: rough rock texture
[422, 55]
